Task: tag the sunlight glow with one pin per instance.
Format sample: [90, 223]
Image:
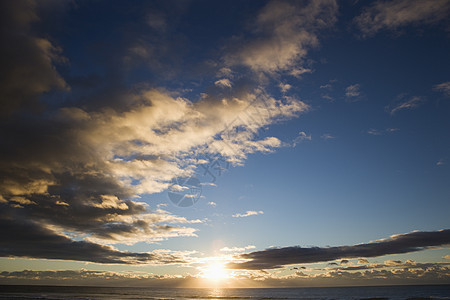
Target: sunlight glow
[215, 271]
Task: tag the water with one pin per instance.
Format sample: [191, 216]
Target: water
[79, 293]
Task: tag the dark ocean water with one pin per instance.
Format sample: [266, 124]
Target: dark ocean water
[388, 292]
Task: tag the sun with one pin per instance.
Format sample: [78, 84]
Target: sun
[215, 271]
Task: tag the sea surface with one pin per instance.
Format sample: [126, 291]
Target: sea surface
[64, 292]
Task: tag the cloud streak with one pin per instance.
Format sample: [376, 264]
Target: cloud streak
[396, 244]
[401, 104]
[443, 87]
[248, 213]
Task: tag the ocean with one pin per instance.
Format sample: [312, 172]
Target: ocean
[381, 292]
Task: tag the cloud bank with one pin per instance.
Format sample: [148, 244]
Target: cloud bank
[396, 244]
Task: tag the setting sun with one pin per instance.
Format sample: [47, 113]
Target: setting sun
[215, 271]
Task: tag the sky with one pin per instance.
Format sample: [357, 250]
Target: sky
[225, 143]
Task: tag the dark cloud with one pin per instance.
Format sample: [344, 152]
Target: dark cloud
[22, 238]
[27, 59]
[409, 264]
[396, 244]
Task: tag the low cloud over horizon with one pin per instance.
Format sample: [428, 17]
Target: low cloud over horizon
[273, 258]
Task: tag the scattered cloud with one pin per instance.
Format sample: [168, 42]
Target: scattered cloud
[396, 244]
[223, 83]
[403, 102]
[284, 31]
[399, 13]
[302, 136]
[248, 213]
[212, 203]
[328, 97]
[443, 87]
[157, 21]
[353, 93]
[373, 131]
[284, 87]
[327, 136]
[440, 162]
[446, 257]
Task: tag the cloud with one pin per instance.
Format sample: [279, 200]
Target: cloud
[409, 272]
[402, 102]
[248, 213]
[223, 83]
[21, 238]
[398, 13]
[363, 261]
[443, 87]
[26, 57]
[446, 257]
[284, 87]
[327, 136]
[396, 244]
[302, 136]
[373, 131]
[393, 262]
[80, 170]
[353, 93]
[212, 203]
[284, 31]
[97, 278]
[440, 162]
[237, 249]
[76, 174]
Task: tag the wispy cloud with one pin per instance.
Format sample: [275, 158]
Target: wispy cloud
[398, 13]
[212, 203]
[327, 136]
[248, 213]
[352, 92]
[443, 87]
[223, 83]
[403, 102]
[373, 131]
[396, 244]
[302, 136]
[284, 87]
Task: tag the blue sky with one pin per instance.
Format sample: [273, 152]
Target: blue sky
[323, 125]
